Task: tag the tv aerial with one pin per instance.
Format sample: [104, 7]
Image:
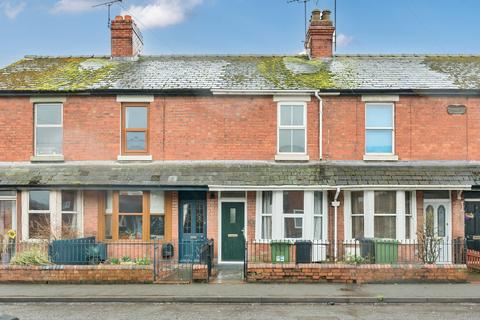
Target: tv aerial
[108, 4]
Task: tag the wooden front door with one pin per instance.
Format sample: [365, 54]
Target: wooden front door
[192, 224]
[233, 226]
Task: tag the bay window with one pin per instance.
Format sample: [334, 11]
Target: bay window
[266, 214]
[130, 214]
[70, 215]
[48, 129]
[379, 214]
[408, 215]
[318, 215]
[358, 222]
[157, 215]
[39, 221]
[291, 214]
[133, 215]
[7, 211]
[293, 209]
[385, 214]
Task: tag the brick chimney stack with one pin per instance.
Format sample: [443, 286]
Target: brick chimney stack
[127, 40]
[319, 37]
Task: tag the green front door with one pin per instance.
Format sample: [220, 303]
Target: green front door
[233, 225]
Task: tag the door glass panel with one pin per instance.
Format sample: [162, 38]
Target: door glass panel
[317, 228]
[429, 219]
[441, 221]
[187, 218]
[233, 215]
[199, 217]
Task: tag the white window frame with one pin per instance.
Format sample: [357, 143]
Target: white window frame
[77, 212]
[14, 213]
[47, 126]
[295, 215]
[396, 215]
[369, 214]
[55, 212]
[292, 127]
[278, 222]
[392, 128]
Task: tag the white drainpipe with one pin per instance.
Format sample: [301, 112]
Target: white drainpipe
[320, 124]
[335, 205]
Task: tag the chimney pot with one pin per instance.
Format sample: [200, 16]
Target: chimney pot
[326, 15]
[316, 13]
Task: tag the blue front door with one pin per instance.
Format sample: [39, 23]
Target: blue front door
[192, 224]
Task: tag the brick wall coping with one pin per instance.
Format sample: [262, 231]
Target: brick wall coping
[79, 267]
[349, 266]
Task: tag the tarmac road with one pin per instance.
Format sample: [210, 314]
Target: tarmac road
[146, 311]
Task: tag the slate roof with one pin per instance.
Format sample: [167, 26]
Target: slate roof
[395, 72]
[230, 173]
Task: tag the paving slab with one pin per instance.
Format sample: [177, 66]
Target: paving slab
[243, 293]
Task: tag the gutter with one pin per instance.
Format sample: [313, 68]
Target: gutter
[320, 124]
[270, 92]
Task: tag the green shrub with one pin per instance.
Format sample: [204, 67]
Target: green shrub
[142, 261]
[114, 261]
[354, 259]
[30, 257]
[125, 259]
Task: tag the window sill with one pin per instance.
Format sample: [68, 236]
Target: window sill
[380, 157]
[292, 157]
[57, 158]
[134, 158]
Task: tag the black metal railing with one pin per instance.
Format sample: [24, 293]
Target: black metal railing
[364, 251]
[163, 256]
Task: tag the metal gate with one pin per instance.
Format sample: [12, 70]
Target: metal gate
[170, 268]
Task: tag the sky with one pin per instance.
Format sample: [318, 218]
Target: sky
[74, 27]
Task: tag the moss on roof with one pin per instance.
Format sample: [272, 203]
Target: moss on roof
[51, 74]
[296, 72]
[464, 70]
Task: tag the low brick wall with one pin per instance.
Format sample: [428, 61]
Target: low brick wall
[77, 274]
[340, 273]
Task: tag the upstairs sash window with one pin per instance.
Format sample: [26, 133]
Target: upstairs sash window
[379, 128]
[48, 129]
[135, 129]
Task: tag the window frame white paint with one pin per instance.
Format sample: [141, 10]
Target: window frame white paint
[14, 212]
[278, 217]
[291, 127]
[55, 211]
[392, 128]
[36, 125]
[369, 214]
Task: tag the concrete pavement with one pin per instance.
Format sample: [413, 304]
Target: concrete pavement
[243, 293]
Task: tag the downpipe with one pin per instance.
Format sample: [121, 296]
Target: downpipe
[335, 205]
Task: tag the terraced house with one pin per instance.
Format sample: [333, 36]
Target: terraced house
[331, 149]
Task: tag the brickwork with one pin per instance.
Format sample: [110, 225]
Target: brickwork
[356, 274]
[423, 129]
[212, 218]
[90, 213]
[77, 274]
[251, 214]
